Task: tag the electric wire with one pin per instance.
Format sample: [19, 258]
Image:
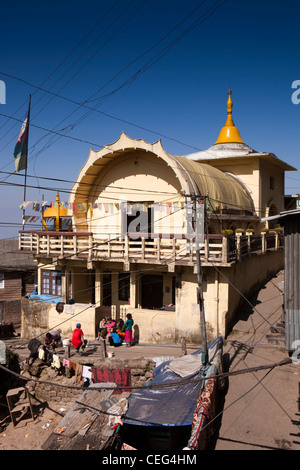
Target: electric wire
[179, 382]
[63, 61]
[196, 23]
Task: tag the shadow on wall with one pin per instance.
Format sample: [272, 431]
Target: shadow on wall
[136, 334]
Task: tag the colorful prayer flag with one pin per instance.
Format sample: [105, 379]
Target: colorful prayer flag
[21, 148]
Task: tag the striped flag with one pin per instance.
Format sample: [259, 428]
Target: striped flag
[21, 148]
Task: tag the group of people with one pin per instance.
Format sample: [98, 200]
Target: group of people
[117, 332]
[52, 340]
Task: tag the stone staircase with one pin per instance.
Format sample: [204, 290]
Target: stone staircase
[277, 335]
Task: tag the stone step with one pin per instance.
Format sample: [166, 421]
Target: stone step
[276, 339]
[278, 329]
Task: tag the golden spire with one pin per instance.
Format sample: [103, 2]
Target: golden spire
[229, 133]
[56, 211]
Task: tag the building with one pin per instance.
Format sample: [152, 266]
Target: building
[131, 247]
[17, 279]
[290, 220]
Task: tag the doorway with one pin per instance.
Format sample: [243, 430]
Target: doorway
[106, 289]
[152, 291]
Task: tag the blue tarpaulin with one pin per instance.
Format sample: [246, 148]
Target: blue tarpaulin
[44, 298]
[173, 405]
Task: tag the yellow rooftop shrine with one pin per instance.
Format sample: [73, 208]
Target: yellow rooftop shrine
[229, 133]
[57, 211]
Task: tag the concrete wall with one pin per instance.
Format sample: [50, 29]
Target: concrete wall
[34, 318]
[153, 326]
[87, 315]
[222, 288]
[248, 278]
[222, 300]
[40, 317]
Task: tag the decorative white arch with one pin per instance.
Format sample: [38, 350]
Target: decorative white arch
[194, 178]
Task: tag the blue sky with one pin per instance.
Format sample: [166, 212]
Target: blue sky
[90, 52]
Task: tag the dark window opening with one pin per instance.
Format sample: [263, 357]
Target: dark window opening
[124, 286]
[152, 291]
[106, 289]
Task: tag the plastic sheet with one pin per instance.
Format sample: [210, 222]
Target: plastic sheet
[44, 298]
[173, 405]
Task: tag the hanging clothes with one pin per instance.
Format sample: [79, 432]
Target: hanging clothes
[121, 377]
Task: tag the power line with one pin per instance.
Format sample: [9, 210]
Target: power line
[180, 382]
[66, 57]
[203, 18]
[52, 131]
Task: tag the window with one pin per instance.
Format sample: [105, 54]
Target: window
[272, 183]
[51, 282]
[1, 280]
[124, 286]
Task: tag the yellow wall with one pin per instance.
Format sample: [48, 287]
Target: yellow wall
[134, 178]
[255, 172]
[87, 315]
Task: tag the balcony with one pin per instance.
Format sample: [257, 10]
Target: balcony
[218, 249]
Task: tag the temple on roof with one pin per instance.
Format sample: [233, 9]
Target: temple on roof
[130, 249]
[261, 173]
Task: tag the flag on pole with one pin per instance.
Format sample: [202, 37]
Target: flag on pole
[21, 148]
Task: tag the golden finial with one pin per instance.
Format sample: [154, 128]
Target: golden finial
[229, 102]
[229, 133]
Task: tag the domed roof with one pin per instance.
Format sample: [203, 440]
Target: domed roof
[224, 191]
[56, 210]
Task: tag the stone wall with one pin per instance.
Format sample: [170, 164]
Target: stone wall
[62, 388]
[10, 311]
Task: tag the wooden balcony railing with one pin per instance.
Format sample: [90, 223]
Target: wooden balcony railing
[161, 250]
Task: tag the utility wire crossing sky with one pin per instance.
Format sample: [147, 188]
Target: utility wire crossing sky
[155, 70]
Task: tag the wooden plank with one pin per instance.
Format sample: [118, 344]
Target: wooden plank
[86, 423]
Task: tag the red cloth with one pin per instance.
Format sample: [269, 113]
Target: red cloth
[121, 377]
[77, 337]
[128, 336]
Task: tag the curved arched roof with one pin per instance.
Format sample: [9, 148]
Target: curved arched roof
[223, 189]
[194, 178]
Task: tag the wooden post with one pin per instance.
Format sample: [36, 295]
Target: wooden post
[263, 242]
[143, 249]
[90, 256]
[48, 244]
[238, 246]
[183, 346]
[126, 240]
[103, 352]
[158, 249]
[75, 245]
[225, 250]
[62, 245]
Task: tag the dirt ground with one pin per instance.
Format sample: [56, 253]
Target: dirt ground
[29, 434]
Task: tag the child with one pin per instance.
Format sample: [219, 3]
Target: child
[128, 330]
[101, 327]
[120, 329]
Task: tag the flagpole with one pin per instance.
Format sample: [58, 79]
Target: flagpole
[25, 176]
